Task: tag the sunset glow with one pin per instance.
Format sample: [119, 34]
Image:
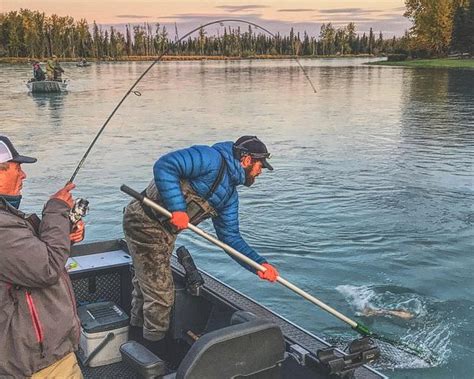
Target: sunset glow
[381, 15]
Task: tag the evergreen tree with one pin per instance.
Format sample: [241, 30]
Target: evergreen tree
[463, 31]
[371, 43]
[351, 38]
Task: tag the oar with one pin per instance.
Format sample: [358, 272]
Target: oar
[358, 327]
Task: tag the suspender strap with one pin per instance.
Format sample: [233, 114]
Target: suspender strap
[218, 180]
[149, 212]
[214, 186]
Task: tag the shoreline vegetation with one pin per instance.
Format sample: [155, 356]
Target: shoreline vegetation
[139, 58]
[33, 34]
[467, 63]
[440, 31]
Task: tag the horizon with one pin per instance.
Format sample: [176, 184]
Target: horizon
[384, 16]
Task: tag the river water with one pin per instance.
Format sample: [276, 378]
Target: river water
[370, 204]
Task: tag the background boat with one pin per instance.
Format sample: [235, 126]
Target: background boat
[47, 86]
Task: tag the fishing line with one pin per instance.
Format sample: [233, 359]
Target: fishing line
[137, 93]
[360, 328]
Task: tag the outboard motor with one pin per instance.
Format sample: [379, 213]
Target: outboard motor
[194, 279]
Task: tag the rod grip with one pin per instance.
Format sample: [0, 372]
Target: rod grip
[131, 192]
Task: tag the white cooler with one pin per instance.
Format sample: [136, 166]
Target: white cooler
[104, 328]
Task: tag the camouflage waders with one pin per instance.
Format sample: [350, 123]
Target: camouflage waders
[150, 239]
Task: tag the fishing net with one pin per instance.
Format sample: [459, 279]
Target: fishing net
[400, 354]
[416, 334]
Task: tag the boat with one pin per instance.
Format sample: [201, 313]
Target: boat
[47, 86]
[83, 64]
[215, 332]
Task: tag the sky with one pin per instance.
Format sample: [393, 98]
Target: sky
[276, 15]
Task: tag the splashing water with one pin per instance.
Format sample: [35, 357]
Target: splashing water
[366, 298]
[426, 330]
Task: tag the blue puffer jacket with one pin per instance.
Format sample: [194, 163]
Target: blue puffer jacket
[200, 166]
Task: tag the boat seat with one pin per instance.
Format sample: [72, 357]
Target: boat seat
[248, 349]
[142, 360]
[238, 317]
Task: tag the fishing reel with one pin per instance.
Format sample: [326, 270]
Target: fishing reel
[194, 279]
[79, 210]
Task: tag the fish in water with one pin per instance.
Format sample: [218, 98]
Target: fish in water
[401, 313]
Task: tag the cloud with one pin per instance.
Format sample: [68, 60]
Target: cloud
[347, 10]
[207, 17]
[390, 23]
[357, 18]
[131, 16]
[240, 8]
[296, 10]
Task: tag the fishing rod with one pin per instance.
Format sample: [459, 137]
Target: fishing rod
[137, 93]
[357, 326]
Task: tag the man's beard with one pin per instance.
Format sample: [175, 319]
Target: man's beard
[249, 179]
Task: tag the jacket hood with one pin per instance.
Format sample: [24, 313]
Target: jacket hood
[235, 170]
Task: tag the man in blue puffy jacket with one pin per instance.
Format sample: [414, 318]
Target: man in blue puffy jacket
[194, 184]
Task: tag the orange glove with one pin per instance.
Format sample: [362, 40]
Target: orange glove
[64, 194]
[179, 220]
[77, 234]
[271, 273]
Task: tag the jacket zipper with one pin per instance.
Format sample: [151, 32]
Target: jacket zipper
[71, 297]
[36, 321]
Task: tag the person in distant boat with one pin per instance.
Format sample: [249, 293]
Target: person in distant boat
[194, 184]
[50, 67]
[58, 70]
[54, 70]
[401, 313]
[38, 73]
[39, 328]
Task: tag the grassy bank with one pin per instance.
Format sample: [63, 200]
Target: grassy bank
[430, 63]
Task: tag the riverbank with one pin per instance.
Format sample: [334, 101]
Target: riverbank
[19, 60]
[430, 63]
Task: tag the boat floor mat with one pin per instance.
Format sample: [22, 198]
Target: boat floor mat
[119, 370]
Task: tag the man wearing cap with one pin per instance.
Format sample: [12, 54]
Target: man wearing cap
[39, 328]
[194, 184]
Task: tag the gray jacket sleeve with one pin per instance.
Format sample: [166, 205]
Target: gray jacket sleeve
[32, 260]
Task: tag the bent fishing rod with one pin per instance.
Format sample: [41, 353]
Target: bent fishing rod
[137, 93]
[357, 326]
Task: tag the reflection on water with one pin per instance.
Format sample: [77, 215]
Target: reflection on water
[372, 188]
[52, 101]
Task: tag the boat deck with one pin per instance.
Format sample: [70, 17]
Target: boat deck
[102, 272]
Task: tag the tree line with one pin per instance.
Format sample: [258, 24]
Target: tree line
[28, 33]
[438, 27]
